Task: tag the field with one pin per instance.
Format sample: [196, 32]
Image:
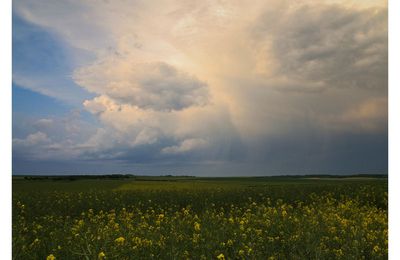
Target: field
[200, 218]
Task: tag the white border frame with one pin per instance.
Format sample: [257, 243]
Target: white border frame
[6, 129]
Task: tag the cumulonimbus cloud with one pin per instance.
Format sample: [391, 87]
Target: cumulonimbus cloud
[238, 75]
[147, 85]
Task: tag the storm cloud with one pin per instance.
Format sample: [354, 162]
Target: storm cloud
[272, 86]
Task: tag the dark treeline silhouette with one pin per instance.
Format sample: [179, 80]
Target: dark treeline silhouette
[170, 177]
[77, 177]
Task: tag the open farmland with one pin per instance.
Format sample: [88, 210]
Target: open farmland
[200, 218]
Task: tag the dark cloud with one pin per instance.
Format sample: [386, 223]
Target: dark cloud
[330, 45]
[306, 154]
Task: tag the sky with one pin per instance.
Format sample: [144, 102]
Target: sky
[207, 88]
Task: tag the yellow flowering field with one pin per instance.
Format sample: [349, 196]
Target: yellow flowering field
[200, 218]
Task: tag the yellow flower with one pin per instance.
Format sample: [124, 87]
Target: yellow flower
[196, 226]
[120, 240]
[50, 257]
[102, 255]
[338, 252]
[221, 257]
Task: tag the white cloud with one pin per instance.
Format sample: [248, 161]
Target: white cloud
[49, 85]
[44, 123]
[32, 139]
[147, 136]
[52, 138]
[100, 104]
[185, 146]
[157, 86]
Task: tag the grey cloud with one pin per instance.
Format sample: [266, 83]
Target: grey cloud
[368, 117]
[312, 153]
[337, 46]
[166, 88]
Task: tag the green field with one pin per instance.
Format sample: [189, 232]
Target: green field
[200, 218]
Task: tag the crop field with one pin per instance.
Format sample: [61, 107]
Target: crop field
[200, 218]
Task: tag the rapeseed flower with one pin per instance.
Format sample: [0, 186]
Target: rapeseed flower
[50, 257]
[196, 226]
[120, 240]
[101, 255]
